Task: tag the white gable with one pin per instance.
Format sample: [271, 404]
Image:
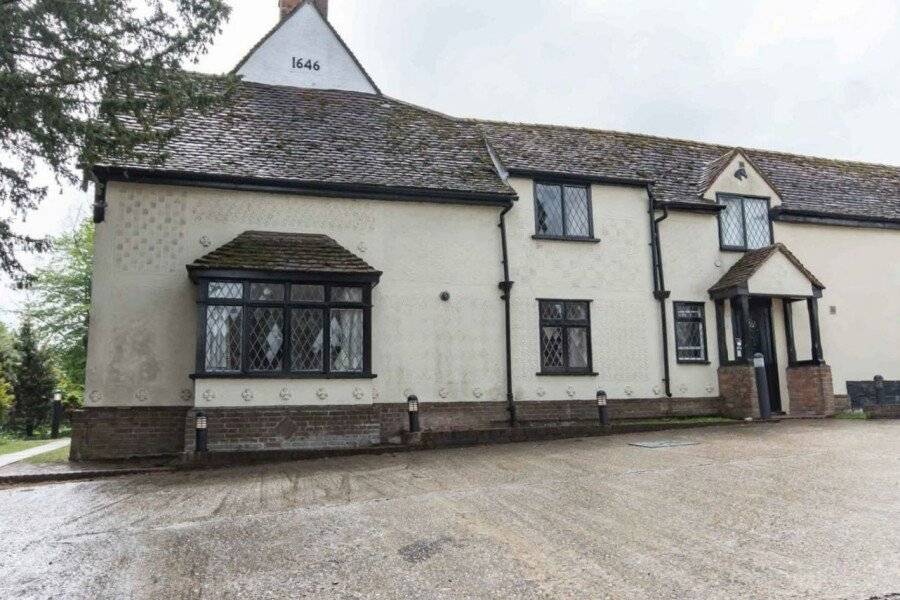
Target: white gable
[778, 276]
[740, 177]
[305, 51]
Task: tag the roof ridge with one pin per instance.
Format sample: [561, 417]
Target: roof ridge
[712, 145]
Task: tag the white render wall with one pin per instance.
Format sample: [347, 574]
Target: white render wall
[142, 340]
[305, 36]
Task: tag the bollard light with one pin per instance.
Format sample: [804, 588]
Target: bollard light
[201, 432]
[413, 406]
[762, 386]
[602, 408]
[57, 396]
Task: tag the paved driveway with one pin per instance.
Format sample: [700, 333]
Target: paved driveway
[796, 509]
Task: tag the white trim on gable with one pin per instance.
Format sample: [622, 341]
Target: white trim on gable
[305, 51]
[740, 177]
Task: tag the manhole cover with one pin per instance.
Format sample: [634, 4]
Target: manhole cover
[663, 443]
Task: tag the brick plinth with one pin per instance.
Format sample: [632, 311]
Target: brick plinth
[737, 386]
[127, 432]
[811, 391]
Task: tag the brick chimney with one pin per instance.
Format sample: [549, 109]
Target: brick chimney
[287, 6]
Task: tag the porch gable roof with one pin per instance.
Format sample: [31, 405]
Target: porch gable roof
[739, 275]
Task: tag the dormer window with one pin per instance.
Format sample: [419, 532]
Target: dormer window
[744, 223]
[563, 212]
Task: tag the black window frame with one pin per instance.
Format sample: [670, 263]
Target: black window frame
[564, 236]
[743, 197]
[565, 324]
[701, 319]
[287, 305]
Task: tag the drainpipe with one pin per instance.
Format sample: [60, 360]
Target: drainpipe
[659, 282]
[506, 287]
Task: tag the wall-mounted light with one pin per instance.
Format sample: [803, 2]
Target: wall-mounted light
[602, 408]
[412, 403]
[201, 432]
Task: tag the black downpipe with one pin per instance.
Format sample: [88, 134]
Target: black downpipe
[659, 283]
[506, 288]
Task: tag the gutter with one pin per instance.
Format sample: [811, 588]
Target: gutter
[780, 213]
[659, 281]
[506, 287]
[309, 188]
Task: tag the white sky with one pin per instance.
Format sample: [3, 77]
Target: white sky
[813, 77]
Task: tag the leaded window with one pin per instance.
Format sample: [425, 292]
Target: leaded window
[563, 211]
[565, 336]
[284, 329]
[690, 332]
[744, 223]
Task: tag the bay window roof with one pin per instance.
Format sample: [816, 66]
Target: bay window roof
[284, 253]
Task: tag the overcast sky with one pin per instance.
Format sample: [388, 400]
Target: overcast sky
[813, 77]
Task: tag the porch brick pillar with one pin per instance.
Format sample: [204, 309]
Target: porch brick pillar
[737, 386]
[810, 390]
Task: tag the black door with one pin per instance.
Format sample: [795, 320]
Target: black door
[761, 341]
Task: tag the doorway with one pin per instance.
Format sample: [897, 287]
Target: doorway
[762, 341]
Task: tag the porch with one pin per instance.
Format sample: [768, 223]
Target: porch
[761, 305]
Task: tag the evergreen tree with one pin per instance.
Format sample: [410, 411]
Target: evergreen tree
[83, 80]
[62, 304]
[33, 386]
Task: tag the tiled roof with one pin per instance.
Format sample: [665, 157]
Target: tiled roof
[337, 138]
[680, 168]
[289, 252]
[741, 271]
[332, 137]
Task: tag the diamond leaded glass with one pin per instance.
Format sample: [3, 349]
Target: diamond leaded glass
[576, 311]
[578, 214]
[732, 223]
[228, 290]
[223, 338]
[690, 336]
[346, 340]
[265, 339]
[756, 215]
[548, 206]
[307, 335]
[551, 347]
[266, 292]
[551, 311]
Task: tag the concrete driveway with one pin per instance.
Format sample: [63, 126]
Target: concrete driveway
[796, 509]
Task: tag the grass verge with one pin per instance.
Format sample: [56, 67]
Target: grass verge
[9, 445]
[60, 455]
[852, 415]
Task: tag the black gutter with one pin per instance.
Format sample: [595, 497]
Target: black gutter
[506, 287]
[698, 207]
[579, 177]
[659, 281]
[308, 188]
[780, 213]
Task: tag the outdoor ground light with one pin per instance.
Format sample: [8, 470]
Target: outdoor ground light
[602, 408]
[413, 405]
[201, 432]
[57, 396]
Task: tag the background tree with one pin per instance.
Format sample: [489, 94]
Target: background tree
[7, 360]
[85, 79]
[34, 384]
[62, 303]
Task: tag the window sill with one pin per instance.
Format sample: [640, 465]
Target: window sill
[568, 374]
[283, 376]
[563, 238]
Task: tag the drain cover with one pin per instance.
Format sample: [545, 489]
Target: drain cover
[663, 443]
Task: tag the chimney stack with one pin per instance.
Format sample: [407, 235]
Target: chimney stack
[287, 6]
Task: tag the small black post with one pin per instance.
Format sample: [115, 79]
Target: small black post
[762, 386]
[602, 408]
[879, 389]
[201, 433]
[57, 414]
[413, 403]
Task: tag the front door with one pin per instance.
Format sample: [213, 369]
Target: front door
[761, 341]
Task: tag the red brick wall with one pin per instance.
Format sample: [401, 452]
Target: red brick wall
[810, 390]
[737, 386]
[114, 433]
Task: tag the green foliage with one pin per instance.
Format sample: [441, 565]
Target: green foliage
[33, 383]
[61, 308]
[6, 399]
[7, 353]
[82, 80]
